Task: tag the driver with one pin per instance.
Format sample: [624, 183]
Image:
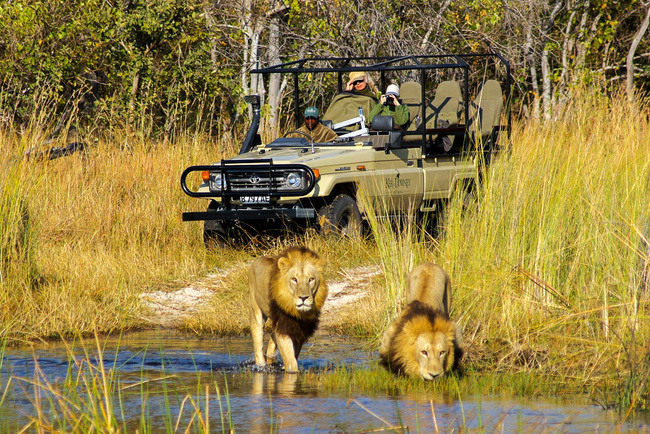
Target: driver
[318, 132]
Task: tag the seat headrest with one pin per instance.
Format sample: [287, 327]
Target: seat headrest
[383, 123]
[449, 88]
[490, 89]
[411, 93]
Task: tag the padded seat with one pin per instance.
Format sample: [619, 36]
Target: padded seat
[346, 105]
[485, 110]
[445, 110]
[447, 106]
[411, 96]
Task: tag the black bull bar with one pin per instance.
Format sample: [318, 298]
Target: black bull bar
[263, 167]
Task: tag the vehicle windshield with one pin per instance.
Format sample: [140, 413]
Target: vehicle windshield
[295, 142]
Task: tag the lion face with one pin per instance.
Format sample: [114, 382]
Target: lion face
[302, 282]
[432, 351]
[304, 292]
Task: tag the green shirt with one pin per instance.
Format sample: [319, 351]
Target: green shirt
[399, 112]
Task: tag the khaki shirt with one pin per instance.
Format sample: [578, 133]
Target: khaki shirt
[320, 134]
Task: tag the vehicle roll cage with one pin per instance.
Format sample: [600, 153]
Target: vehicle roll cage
[385, 64]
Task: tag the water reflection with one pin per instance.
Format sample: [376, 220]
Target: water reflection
[159, 371]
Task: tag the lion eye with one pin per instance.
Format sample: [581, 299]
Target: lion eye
[294, 280]
[442, 353]
[425, 353]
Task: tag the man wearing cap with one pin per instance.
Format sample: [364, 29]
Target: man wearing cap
[360, 84]
[317, 131]
[389, 105]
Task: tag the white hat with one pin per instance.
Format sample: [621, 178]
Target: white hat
[392, 89]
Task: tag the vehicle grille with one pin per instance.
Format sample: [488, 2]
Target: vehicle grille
[247, 181]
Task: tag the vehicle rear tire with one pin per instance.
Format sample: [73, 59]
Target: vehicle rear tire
[341, 217]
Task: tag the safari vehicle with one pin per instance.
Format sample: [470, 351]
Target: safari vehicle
[458, 106]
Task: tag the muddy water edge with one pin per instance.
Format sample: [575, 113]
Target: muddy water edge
[161, 380]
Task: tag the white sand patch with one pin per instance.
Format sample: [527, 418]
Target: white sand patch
[171, 308]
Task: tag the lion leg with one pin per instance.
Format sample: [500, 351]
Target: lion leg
[285, 345]
[270, 350]
[297, 346]
[257, 331]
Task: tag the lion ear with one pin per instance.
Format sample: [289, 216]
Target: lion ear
[283, 264]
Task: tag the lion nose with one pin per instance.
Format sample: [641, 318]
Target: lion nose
[303, 299]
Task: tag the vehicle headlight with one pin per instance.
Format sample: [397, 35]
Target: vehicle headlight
[294, 180]
[217, 181]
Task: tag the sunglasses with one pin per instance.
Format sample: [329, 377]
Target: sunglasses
[358, 82]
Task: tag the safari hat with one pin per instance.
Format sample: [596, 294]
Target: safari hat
[392, 89]
[311, 112]
[356, 76]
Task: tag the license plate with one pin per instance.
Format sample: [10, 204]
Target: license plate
[255, 200]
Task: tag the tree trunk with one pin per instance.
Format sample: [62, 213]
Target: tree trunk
[630, 56]
[274, 96]
[252, 29]
[529, 52]
[546, 86]
[547, 92]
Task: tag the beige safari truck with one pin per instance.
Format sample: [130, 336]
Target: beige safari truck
[459, 112]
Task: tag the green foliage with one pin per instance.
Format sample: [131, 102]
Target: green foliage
[152, 57]
[164, 65]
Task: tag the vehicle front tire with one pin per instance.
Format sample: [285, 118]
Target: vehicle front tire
[214, 237]
[214, 234]
[341, 217]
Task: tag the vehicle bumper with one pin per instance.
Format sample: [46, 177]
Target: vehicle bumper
[251, 214]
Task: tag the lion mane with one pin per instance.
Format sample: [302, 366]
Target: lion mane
[288, 289]
[422, 342]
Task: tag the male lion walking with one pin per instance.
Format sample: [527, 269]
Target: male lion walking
[290, 290]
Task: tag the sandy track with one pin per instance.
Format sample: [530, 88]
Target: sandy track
[169, 309]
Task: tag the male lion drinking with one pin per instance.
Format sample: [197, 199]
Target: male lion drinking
[422, 342]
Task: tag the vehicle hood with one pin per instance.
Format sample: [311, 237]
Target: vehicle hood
[323, 157]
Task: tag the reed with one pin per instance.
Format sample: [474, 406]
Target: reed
[92, 398]
[400, 244]
[550, 267]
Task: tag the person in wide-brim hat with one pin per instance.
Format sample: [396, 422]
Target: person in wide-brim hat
[361, 84]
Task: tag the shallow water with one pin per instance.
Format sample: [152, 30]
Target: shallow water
[261, 401]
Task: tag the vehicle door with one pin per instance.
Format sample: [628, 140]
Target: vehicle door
[397, 183]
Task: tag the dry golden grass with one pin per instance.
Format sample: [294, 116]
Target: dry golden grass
[549, 269]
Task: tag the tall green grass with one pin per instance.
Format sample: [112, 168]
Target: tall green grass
[82, 236]
[400, 243]
[549, 264]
